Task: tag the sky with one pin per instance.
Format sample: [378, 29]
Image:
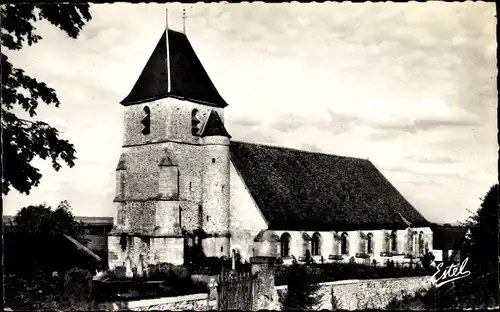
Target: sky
[409, 86]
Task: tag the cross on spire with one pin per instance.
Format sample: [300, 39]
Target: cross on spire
[184, 20]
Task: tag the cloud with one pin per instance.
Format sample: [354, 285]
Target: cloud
[437, 160]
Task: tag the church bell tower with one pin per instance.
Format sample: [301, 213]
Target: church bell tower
[172, 178]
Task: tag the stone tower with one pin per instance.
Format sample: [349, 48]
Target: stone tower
[172, 178]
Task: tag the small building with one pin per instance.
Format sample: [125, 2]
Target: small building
[96, 233]
[24, 252]
[448, 242]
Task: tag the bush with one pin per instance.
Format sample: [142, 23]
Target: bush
[427, 259]
[78, 288]
[41, 292]
[301, 290]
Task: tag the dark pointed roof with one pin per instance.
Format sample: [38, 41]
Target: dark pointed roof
[188, 78]
[214, 126]
[121, 163]
[299, 190]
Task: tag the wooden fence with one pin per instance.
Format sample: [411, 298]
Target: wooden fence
[235, 290]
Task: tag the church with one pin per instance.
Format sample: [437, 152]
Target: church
[182, 181]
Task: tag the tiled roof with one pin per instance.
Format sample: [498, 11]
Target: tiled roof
[181, 67]
[95, 220]
[299, 190]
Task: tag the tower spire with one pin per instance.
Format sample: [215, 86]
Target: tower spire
[184, 20]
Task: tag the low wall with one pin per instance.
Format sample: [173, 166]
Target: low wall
[363, 294]
[196, 302]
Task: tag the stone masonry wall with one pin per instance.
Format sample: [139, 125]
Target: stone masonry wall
[196, 302]
[363, 294]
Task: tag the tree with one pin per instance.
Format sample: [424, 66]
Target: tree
[301, 292]
[481, 245]
[42, 220]
[480, 288]
[24, 139]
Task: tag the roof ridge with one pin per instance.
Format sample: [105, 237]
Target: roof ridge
[300, 150]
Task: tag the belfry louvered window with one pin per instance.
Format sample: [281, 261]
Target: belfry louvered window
[146, 120]
[195, 123]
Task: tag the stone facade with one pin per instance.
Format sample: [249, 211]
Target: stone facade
[169, 182]
[363, 294]
[196, 302]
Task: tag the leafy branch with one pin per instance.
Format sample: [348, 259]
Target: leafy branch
[23, 139]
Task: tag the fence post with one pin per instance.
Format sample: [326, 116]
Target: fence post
[213, 293]
[262, 269]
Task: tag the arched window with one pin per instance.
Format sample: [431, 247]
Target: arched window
[316, 244]
[369, 243]
[394, 241]
[195, 122]
[140, 266]
[146, 120]
[409, 242]
[421, 243]
[343, 244]
[362, 243]
[336, 244]
[285, 245]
